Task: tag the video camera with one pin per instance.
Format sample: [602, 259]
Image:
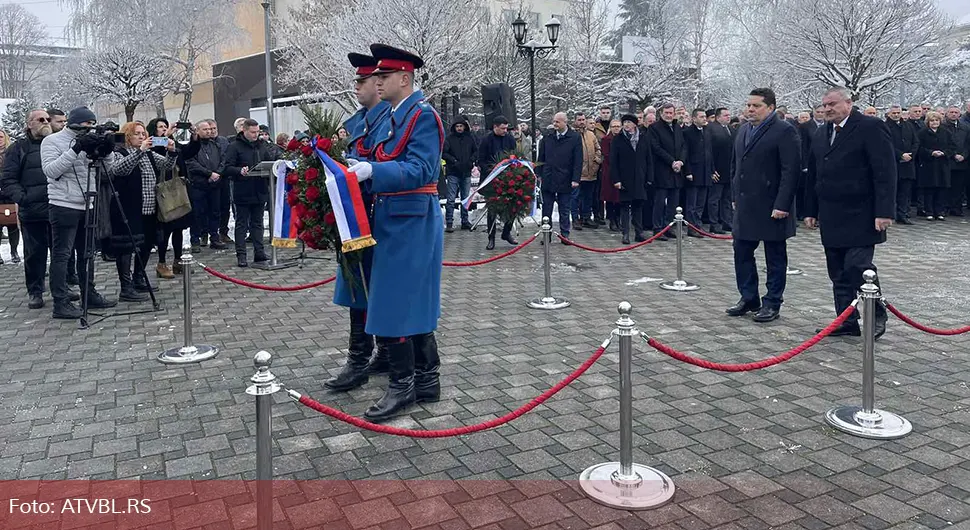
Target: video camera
[98, 141]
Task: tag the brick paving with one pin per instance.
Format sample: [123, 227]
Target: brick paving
[746, 451]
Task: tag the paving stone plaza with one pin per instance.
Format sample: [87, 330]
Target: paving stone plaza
[745, 450]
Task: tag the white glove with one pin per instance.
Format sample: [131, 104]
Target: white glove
[363, 170]
[351, 162]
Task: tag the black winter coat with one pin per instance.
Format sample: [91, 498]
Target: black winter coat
[23, 180]
[721, 142]
[668, 146]
[698, 161]
[805, 132]
[903, 135]
[129, 190]
[932, 171]
[852, 182]
[460, 152]
[765, 175]
[960, 138]
[631, 167]
[206, 162]
[560, 161]
[243, 153]
[491, 150]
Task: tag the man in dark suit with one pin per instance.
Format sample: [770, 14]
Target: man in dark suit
[905, 146]
[852, 196]
[806, 131]
[698, 169]
[720, 138]
[560, 166]
[669, 154]
[765, 175]
[959, 165]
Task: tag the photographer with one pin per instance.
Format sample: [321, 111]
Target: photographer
[172, 230]
[249, 194]
[65, 158]
[135, 170]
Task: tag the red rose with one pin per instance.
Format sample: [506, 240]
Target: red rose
[330, 219]
[293, 144]
[312, 193]
[311, 174]
[528, 197]
[518, 192]
[324, 144]
[299, 210]
[518, 203]
[292, 198]
[311, 215]
[292, 179]
[306, 150]
[299, 223]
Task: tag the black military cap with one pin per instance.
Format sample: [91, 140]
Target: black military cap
[391, 59]
[365, 64]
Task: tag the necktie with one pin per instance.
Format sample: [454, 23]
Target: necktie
[835, 133]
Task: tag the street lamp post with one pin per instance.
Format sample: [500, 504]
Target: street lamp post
[269, 69]
[533, 49]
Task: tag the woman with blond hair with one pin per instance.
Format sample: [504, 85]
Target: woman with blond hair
[13, 231]
[135, 171]
[933, 170]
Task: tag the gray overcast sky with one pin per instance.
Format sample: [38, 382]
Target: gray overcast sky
[56, 17]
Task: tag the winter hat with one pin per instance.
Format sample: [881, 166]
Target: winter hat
[629, 117]
[80, 115]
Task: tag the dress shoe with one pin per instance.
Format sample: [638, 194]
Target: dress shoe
[450, 228]
[577, 226]
[847, 329]
[743, 307]
[626, 240]
[241, 262]
[879, 329]
[694, 233]
[509, 239]
[940, 218]
[96, 301]
[129, 294]
[204, 240]
[491, 243]
[661, 238]
[15, 258]
[177, 268]
[904, 221]
[74, 297]
[466, 226]
[217, 245]
[715, 230]
[66, 311]
[767, 314]
[640, 238]
[226, 239]
[259, 258]
[590, 224]
[36, 302]
[613, 226]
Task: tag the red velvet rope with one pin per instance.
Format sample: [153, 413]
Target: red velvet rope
[506, 254]
[746, 367]
[935, 331]
[443, 433]
[251, 285]
[614, 250]
[708, 234]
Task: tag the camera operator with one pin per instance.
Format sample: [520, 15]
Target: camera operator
[65, 158]
[135, 170]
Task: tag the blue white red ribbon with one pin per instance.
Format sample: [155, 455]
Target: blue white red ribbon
[499, 168]
[284, 222]
[348, 204]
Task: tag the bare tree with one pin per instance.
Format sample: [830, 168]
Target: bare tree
[122, 75]
[20, 33]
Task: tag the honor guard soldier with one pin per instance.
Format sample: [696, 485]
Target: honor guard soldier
[373, 111]
[405, 289]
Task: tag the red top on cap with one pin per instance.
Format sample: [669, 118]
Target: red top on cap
[395, 65]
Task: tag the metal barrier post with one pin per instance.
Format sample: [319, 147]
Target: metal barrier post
[188, 353]
[263, 387]
[867, 421]
[679, 284]
[548, 301]
[625, 484]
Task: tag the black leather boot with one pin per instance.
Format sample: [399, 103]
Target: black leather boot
[507, 234]
[354, 372]
[128, 292]
[379, 364]
[427, 388]
[400, 387]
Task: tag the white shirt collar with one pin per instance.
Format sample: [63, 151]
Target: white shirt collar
[842, 124]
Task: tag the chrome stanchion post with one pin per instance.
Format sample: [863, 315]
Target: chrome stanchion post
[867, 421]
[625, 484]
[548, 301]
[679, 284]
[263, 387]
[189, 352]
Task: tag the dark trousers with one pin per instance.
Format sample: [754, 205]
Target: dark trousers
[597, 202]
[664, 203]
[904, 194]
[696, 199]
[587, 190]
[630, 213]
[492, 222]
[67, 235]
[845, 266]
[13, 235]
[249, 217]
[225, 204]
[37, 242]
[150, 225]
[746, 271]
[550, 198]
[176, 235]
[206, 210]
[574, 202]
[958, 185]
[646, 214]
[719, 205]
[934, 201]
[613, 212]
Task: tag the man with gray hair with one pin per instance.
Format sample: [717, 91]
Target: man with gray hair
[560, 167]
[205, 176]
[851, 195]
[905, 146]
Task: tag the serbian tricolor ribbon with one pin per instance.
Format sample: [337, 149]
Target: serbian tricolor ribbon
[284, 222]
[499, 168]
[348, 205]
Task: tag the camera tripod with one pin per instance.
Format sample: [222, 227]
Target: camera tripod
[91, 221]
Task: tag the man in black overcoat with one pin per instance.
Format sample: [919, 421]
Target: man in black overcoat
[699, 169]
[765, 173]
[630, 163]
[669, 155]
[852, 197]
[560, 166]
[720, 138]
[905, 146]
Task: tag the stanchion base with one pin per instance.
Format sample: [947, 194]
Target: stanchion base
[267, 266]
[876, 425]
[188, 354]
[603, 484]
[679, 285]
[549, 303]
